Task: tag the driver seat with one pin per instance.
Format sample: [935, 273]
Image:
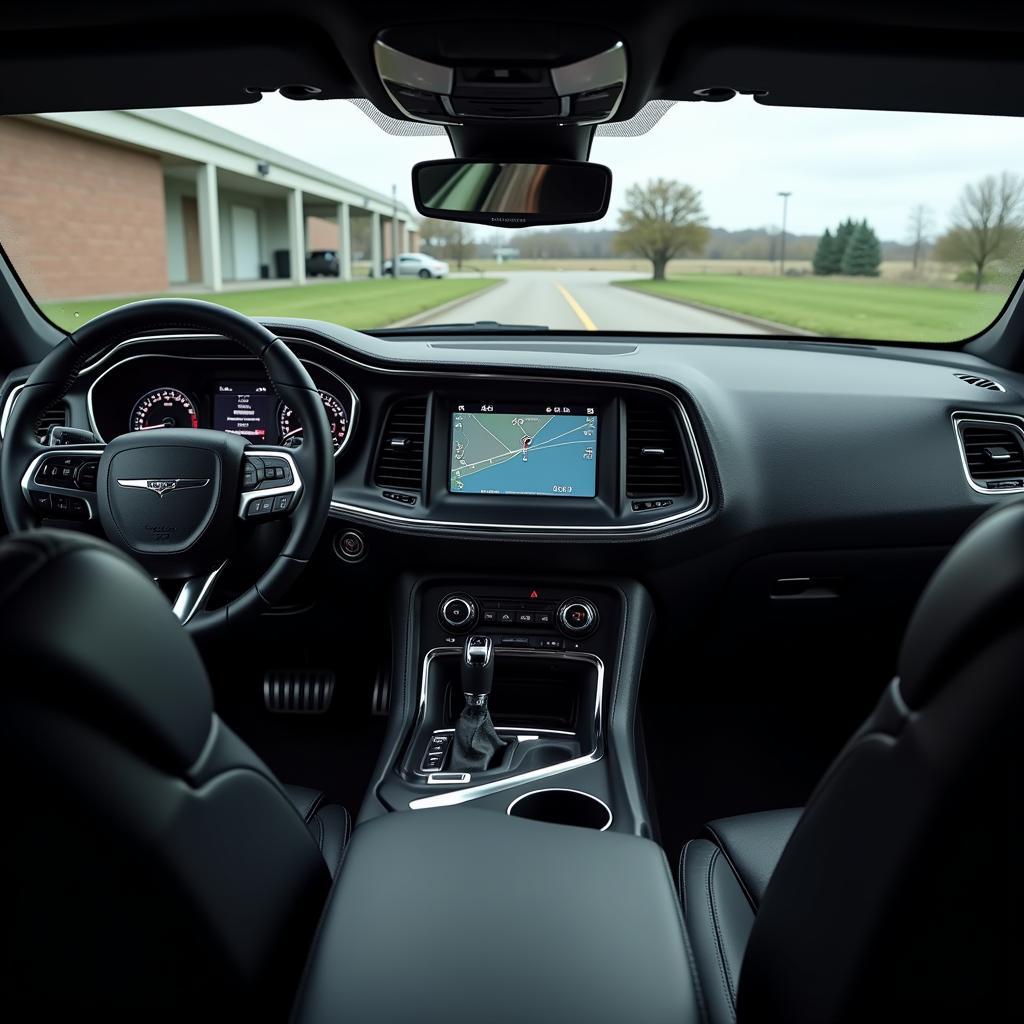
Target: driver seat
[155, 867]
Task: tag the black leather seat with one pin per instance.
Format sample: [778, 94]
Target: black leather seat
[722, 880]
[330, 825]
[896, 892]
[154, 867]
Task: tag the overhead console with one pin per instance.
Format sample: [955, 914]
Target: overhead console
[440, 74]
[536, 456]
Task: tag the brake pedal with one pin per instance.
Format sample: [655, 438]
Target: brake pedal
[298, 693]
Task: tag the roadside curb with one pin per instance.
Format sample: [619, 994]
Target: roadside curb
[743, 318]
[418, 318]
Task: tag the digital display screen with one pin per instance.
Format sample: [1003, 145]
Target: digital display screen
[245, 408]
[524, 449]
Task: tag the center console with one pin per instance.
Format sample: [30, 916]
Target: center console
[564, 660]
[469, 915]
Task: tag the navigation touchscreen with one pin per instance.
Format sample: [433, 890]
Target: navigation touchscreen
[524, 449]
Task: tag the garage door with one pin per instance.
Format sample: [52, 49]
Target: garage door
[245, 242]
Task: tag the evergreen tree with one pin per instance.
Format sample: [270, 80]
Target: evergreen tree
[843, 235]
[826, 259]
[863, 254]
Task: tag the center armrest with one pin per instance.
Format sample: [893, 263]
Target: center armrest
[467, 915]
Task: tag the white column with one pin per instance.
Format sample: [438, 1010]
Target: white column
[209, 226]
[297, 236]
[375, 240]
[345, 241]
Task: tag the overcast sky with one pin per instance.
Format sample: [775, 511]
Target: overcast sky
[739, 154]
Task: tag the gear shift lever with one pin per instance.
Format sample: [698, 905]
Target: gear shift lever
[477, 670]
[476, 742]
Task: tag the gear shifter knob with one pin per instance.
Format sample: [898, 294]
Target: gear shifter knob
[477, 670]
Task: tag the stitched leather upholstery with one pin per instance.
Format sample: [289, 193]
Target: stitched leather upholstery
[329, 824]
[722, 879]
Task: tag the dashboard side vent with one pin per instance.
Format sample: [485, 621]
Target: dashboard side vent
[655, 463]
[993, 453]
[55, 416]
[980, 382]
[400, 455]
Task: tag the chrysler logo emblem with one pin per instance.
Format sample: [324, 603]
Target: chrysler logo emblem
[161, 487]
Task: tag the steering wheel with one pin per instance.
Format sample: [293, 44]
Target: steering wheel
[172, 498]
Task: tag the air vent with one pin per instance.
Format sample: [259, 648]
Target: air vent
[655, 465]
[57, 416]
[980, 382]
[400, 456]
[993, 453]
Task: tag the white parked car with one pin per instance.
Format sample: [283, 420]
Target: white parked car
[417, 264]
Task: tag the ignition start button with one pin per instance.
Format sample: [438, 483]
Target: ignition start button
[350, 546]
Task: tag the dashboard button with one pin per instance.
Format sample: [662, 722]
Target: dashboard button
[458, 612]
[577, 617]
[350, 545]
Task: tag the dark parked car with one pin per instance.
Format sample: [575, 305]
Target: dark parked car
[323, 263]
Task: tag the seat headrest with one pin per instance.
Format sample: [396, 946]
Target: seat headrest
[86, 632]
[975, 594]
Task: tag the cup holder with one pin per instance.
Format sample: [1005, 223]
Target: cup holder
[562, 807]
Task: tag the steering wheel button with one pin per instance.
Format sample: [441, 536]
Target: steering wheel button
[281, 502]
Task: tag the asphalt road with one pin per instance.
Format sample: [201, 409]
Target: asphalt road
[584, 299]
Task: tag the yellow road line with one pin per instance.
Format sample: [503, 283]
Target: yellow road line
[577, 309]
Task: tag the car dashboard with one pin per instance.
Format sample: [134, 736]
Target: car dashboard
[695, 444]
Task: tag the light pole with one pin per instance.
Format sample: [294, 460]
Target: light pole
[782, 247]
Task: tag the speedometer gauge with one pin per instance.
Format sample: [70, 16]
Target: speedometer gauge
[164, 407]
[291, 429]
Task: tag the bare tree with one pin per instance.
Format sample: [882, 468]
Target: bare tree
[662, 219]
[450, 240]
[986, 223]
[919, 226]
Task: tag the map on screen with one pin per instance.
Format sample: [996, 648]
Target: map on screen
[540, 450]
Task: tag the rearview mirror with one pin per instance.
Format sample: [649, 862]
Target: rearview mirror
[512, 195]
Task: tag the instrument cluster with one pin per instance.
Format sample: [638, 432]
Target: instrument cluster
[155, 392]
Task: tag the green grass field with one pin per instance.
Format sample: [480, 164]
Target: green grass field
[357, 304]
[840, 307]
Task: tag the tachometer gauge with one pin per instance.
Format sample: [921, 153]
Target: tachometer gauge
[164, 407]
[291, 429]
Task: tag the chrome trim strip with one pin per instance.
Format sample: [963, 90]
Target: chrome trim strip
[293, 488]
[8, 406]
[353, 397]
[601, 71]
[348, 510]
[462, 796]
[404, 69]
[982, 418]
[557, 789]
[193, 595]
[175, 484]
[448, 778]
[71, 492]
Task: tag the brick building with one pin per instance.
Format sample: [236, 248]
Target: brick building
[136, 202]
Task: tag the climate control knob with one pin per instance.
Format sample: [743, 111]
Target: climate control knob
[577, 617]
[458, 612]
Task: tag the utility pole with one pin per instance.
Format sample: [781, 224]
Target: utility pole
[782, 250]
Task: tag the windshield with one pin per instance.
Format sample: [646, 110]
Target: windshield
[726, 218]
